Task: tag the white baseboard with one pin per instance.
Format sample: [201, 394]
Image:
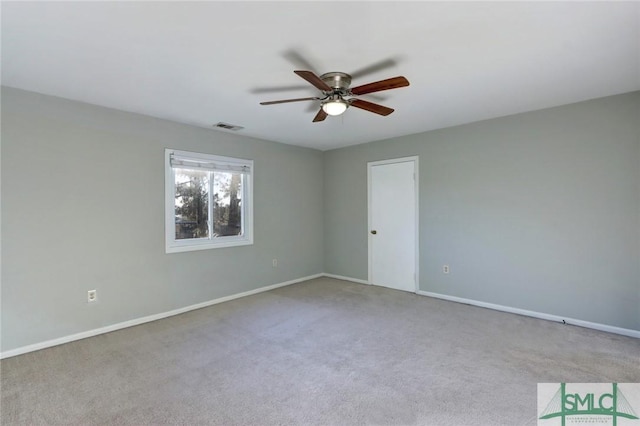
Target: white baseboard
[533, 314]
[138, 321]
[540, 315]
[343, 278]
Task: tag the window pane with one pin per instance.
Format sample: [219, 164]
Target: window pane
[191, 204]
[227, 199]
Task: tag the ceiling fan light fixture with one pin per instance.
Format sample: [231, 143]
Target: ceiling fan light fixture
[335, 107]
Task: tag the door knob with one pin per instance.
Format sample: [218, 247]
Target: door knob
[374, 232]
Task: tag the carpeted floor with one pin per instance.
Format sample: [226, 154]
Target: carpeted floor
[322, 352]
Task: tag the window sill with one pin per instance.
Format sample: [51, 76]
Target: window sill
[207, 245]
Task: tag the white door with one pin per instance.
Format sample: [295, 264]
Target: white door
[393, 223]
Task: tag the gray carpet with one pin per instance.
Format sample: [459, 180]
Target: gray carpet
[322, 352]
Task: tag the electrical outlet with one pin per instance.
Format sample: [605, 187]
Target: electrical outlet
[275, 263]
[445, 269]
[92, 296]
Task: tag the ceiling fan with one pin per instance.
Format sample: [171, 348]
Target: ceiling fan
[337, 96]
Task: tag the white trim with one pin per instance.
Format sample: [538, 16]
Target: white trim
[549, 317]
[138, 321]
[343, 278]
[416, 178]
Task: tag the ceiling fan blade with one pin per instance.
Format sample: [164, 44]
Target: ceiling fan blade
[378, 86]
[283, 101]
[370, 69]
[258, 90]
[320, 116]
[298, 60]
[371, 107]
[315, 80]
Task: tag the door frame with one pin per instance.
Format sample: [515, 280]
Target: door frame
[370, 164]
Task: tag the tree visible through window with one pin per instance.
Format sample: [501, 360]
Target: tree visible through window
[227, 198]
[192, 204]
[209, 201]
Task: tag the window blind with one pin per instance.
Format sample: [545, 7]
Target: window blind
[184, 162]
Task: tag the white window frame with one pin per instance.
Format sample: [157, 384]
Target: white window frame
[176, 246]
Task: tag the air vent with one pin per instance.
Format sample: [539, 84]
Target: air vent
[227, 126]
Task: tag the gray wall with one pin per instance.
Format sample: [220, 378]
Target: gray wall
[538, 211]
[82, 208]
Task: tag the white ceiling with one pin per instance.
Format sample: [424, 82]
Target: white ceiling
[204, 62]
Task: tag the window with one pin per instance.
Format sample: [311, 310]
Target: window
[208, 201]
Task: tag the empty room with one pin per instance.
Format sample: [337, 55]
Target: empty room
[320, 213]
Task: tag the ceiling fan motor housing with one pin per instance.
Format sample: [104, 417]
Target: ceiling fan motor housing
[337, 80]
